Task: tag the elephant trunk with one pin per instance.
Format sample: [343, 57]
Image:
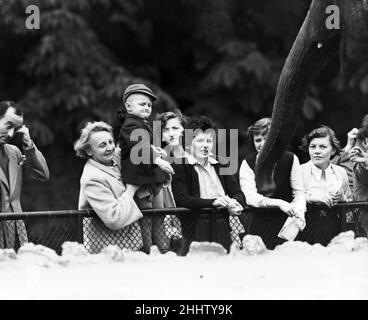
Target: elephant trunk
[314, 46]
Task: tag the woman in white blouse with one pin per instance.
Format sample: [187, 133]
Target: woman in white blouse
[324, 183]
[288, 197]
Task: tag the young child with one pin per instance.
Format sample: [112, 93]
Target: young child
[150, 175]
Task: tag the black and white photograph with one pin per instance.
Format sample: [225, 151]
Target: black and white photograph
[172, 151]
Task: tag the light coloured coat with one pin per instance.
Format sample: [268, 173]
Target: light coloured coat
[102, 189]
[32, 165]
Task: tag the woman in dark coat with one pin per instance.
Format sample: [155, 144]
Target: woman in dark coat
[197, 183]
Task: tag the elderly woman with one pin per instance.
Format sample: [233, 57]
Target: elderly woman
[288, 198]
[324, 183]
[197, 183]
[102, 189]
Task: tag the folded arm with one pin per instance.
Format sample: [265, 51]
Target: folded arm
[181, 193]
[116, 213]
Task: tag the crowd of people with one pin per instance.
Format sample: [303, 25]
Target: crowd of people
[134, 170]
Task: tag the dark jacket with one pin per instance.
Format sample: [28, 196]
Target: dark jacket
[185, 186]
[138, 174]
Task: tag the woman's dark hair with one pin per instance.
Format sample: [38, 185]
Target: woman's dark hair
[201, 122]
[166, 116]
[321, 132]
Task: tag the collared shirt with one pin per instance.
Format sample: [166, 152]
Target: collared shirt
[114, 167]
[209, 183]
[337, 180]
[248, 185]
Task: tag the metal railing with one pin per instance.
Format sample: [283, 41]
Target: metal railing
[168, 228]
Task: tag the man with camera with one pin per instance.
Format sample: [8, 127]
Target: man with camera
[13, 166]
[358, 155]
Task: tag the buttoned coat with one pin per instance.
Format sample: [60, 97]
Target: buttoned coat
[141, 173]
[186, 190]
[32, 165]
[102, 189]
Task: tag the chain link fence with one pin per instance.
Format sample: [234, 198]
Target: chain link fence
[171, 229]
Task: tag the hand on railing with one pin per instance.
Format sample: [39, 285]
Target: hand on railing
[337, 197]
[299, 215]
[286, 207]
[319, 197]
[220, 202]
[234, 207]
